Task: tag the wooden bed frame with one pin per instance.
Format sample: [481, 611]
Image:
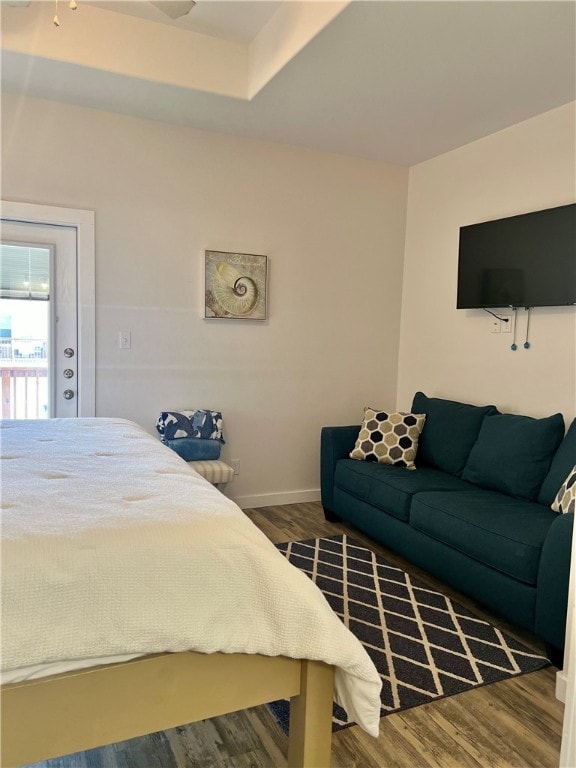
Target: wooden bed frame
[75, 711]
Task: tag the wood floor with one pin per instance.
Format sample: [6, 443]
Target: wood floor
[516, 723]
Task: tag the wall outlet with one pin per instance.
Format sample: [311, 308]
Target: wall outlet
[496, 325]
[235, 464]
[506, 326]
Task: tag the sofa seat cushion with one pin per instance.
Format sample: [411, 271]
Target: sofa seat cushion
[391, 488]
[502, 532]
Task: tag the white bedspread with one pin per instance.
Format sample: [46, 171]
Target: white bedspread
[113, 546]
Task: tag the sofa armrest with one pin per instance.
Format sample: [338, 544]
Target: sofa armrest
[553, 579]
[335, 444]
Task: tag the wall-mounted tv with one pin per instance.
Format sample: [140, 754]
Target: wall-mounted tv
[521, 261]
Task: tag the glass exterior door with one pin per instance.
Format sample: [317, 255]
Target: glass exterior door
[38, 321]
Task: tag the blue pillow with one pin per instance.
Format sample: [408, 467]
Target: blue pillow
[513, 453]
[206, 425]
[450, 431]
[195, 449]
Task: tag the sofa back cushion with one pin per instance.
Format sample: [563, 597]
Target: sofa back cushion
[563, 461]
[450, 431]
[513, 453]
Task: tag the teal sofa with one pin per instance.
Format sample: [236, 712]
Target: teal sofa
[476, 512]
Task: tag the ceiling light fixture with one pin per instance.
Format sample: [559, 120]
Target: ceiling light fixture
[175, 9]
[72, 5]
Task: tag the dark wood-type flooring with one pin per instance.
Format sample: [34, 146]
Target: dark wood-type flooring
[516, 723]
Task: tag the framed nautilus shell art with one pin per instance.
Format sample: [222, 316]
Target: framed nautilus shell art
[235, 285]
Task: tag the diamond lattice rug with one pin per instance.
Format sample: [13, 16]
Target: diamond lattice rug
[424, 645]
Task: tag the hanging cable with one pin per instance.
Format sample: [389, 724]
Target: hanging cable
[502, 319]
[527, 343]
[513, 347]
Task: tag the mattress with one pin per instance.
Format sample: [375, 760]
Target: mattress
[113, 547]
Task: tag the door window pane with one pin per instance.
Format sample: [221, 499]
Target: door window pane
[24, 331]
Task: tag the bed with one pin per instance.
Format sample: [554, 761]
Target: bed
[136, 597]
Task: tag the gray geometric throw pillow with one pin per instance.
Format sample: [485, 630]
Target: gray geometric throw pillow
[565, 500]
[389, 438]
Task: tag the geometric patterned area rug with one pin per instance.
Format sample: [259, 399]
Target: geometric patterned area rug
[424, 645]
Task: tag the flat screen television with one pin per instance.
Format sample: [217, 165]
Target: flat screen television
[521, 261]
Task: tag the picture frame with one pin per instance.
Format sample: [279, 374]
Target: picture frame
[235, 286]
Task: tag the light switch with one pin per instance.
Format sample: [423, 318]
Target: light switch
[125, 339]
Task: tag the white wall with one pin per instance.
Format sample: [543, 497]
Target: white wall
[332, 227]
[452, 353]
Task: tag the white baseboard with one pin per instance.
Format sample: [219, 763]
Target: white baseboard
[273, 499]
[561, 685]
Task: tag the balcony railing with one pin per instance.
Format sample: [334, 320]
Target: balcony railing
[24, 372]
[16, 350]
